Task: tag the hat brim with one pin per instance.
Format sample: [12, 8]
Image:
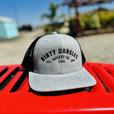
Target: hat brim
[59, 82]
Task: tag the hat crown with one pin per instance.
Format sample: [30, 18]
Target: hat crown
[57, 54]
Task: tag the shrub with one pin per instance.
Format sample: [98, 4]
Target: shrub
[25, 28]
[90, 21]
[106, 18]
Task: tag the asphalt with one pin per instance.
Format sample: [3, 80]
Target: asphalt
[98, 48]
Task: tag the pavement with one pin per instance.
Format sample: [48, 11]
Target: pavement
[97, 48]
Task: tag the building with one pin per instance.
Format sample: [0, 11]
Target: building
[8, 28]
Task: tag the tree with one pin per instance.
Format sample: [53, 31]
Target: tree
[51, 16]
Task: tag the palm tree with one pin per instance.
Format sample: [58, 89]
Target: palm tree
[51, 16]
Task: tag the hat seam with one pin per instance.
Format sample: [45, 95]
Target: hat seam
[61, 47]
[63, 73]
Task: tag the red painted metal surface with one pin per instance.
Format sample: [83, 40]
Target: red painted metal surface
[16, 97]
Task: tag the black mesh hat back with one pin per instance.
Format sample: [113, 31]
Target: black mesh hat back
[27, 62]
[83, 57]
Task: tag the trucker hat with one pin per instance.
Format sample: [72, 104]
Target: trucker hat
[55, 62]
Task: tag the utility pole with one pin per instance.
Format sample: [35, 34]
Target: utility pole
[16, 13]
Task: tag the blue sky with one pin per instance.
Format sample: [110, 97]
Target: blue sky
[30, 11]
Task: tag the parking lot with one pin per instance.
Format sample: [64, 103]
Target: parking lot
[97, 48]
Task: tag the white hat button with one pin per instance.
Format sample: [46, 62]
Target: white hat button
[54, 32]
